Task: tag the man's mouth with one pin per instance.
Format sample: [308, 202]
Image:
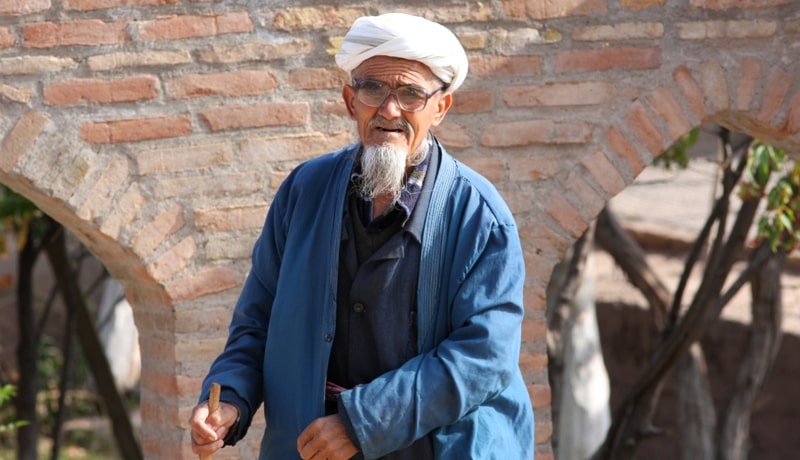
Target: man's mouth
[390, 129]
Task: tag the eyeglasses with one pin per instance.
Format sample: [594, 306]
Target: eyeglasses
[374, 93]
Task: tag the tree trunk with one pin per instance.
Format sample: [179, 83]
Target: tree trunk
[631, 259]
[583, 413]
[90, 344]
[697, 418]
[27, 355]
[759, 355]
[63, 387]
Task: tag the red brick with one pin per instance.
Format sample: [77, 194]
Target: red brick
[472, 101]
[544, 434]
[690, 90]
[248, 49]
[535, 295]
[89, 32]
[623, 57]
[316, 18]
[213, 184]
[559, 9]
[230, 218]
[318, 78]
[792, 125]
[174, 260]
[294, 148]
[184, 158]
[6, 39]
[231, 84]
[520, 133]
[749, 74]
[126, 209]
[277, 178]
[603, 172]
[20, 7]
[534, 167]
[641, 4]
[138, 129]
[113, 178]
[453, 135]
[620, 31]
[21, 138]
[715, 86]
[165, 224]
[207, 321]
[336, 108]
[457, 12]
[558, 94]
[146, 58]
[256, 116]
[736, 4]
[775, 92]
[101, 91]
[544, 247]
[505, 66]
[743, 29]
[540, 395]
[663, 103]
[534, 330]
[206, 282]
[170, 384]
[180, 27]
[533, 362]
[591, 200]
[85, 5]
[515, 8]
[625, 150]
[491, 168]
[645, 129]
[557, 207]
[15, 94]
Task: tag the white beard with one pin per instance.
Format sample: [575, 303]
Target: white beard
[383, 168]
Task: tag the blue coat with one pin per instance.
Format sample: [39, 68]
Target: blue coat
[465, 385]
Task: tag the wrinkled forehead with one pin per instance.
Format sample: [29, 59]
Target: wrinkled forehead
[391, 69]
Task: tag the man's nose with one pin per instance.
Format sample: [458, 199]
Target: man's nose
[390, 108]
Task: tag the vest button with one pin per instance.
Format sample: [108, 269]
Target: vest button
[359, 307]
[328, 338]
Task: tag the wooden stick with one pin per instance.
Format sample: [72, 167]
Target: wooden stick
[213, 406]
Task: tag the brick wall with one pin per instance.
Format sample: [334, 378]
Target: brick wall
[158, 130]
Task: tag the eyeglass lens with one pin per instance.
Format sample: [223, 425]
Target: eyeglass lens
[374, 93]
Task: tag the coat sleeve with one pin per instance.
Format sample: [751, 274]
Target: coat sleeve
[239, 368]
[472, 365]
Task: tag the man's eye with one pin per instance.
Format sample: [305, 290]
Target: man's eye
[413, 93]
[372, 86]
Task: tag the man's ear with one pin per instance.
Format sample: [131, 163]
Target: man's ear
[442, 106]
[349, 97]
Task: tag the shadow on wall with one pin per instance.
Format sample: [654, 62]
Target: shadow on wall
[627, 333]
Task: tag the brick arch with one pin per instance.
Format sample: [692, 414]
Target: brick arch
[157, 131]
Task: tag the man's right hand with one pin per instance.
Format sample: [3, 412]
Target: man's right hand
[209, 430]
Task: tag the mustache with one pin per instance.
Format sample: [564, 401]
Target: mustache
[398, 124]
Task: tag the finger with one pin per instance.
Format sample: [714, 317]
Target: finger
[200, 446]
[204, 427]
[305, 437]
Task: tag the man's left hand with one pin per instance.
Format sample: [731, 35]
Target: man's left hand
[326, 438]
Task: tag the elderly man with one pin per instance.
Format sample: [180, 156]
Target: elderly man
[381, 318]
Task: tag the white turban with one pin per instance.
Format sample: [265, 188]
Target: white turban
[408, 37]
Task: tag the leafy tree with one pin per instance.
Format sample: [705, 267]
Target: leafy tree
[707, 432]
[36, 233]
[7, 392]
